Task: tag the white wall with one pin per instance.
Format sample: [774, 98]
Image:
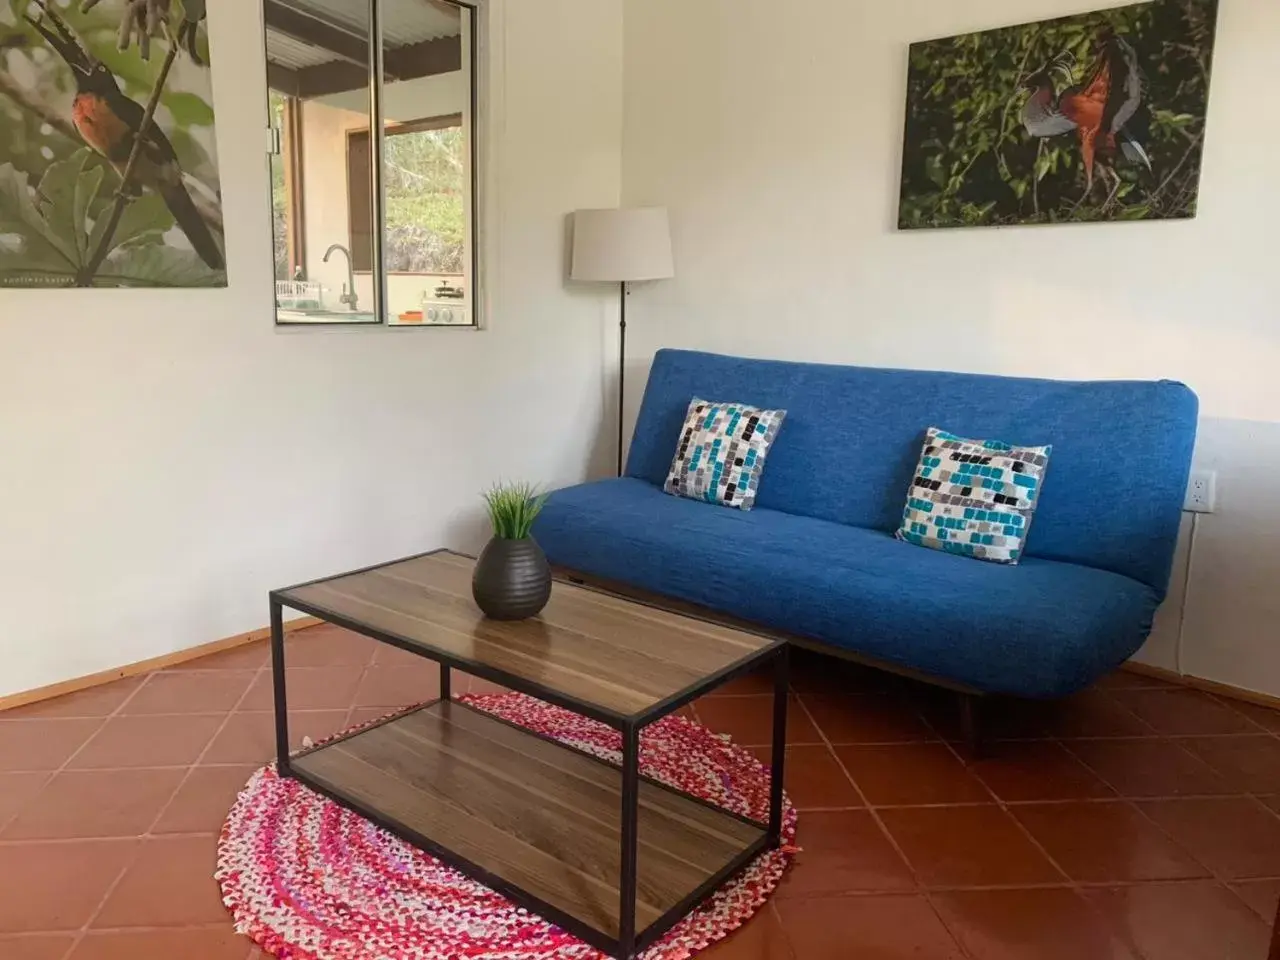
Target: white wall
[775, 140]
[170, 456]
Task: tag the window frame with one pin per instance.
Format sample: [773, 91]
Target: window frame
[292, 166]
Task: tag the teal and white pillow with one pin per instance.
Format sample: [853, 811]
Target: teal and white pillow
[973, 497]
[721, 453]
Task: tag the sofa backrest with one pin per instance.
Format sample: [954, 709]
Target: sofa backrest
[1112, 495]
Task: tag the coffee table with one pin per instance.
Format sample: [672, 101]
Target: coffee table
[611, 856]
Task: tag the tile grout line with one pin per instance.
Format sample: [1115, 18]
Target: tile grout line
[921, 890]
[1008, 807]
[102, 723]
[1136, 804]
[130, 860]
[111, 888]
[772, 906]
[8, 821]
[1218, 878]
[204, 752]
[183, 766]
[1014, 887]
[1076, 889]
[1231, 706]
[1075, 886]
[772, 903]
[364, 672]
[263, 670]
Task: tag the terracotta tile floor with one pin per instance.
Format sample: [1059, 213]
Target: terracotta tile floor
[1135, 820]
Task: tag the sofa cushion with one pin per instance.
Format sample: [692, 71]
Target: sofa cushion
[1040, 629]
[853, 435]
[722, 452]
[973, 497]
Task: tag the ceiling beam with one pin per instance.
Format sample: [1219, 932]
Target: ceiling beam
[327, 78]
[283, 80]
[425, 59]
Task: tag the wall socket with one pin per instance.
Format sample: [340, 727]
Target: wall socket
[1202, 492]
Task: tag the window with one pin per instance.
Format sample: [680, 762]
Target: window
[424, 174]
[374, 174]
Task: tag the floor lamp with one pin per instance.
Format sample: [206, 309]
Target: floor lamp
[622, 246]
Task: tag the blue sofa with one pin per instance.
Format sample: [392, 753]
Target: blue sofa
[816, 559]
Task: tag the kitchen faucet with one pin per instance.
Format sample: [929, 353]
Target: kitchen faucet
[349, 288]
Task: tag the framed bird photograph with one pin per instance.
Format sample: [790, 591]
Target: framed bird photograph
[108, 163]
[1095, 117]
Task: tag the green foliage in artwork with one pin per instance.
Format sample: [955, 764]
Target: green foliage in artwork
[51, 235]
[188, 110]
[968, 159]
[41, 245]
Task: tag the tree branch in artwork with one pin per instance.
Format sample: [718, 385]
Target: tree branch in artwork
[85, 277]
[32, 104]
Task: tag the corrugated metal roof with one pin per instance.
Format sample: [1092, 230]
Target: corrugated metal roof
[403, 21]
[294, 54]
[411, 21]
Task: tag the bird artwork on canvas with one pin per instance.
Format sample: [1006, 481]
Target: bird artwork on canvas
[110, 123]
[109, 177]
[1094, 117]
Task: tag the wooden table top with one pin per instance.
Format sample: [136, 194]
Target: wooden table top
[619, 656]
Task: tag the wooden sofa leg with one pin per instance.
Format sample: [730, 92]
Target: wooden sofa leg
[971, 724]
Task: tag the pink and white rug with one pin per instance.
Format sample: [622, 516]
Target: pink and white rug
[307, 879]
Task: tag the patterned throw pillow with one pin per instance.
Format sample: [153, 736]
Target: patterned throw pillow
[973, 497]
[721, 453]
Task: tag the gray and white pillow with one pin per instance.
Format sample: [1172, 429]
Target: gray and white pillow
[722, 451]
[973, 497]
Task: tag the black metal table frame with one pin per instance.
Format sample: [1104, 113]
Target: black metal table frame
[628, 943]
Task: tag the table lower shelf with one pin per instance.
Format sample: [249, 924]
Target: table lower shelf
[525, 813]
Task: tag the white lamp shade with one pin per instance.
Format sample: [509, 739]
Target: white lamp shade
[622, 245]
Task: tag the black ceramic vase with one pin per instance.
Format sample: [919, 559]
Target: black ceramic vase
[512, 580]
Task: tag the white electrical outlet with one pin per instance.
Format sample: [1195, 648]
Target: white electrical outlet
[1202, 491]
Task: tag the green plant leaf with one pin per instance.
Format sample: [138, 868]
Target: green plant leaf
[146, 215]
[1044, 163]
[188, 110]
[18, 214]
[157, 266]
[87, 185]
[55, 198]
[1138, 211]
[933, 170]
[512, 509]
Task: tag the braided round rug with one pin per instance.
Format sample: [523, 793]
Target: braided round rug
[307, 879]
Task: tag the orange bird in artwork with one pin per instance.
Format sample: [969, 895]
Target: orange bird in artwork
[1106, 110]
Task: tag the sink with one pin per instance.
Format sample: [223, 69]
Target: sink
[284, 315]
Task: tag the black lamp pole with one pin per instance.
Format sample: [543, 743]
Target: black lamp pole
[622, 369]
